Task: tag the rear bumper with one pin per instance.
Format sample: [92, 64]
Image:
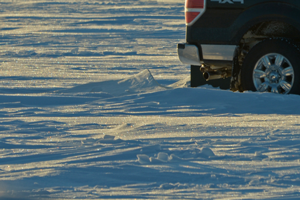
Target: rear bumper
[213, 55]
[189, 54]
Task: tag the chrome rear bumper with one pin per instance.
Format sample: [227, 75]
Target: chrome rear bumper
[214, 55]
[188, 54]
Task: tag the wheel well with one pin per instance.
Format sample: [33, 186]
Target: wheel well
[269, 29]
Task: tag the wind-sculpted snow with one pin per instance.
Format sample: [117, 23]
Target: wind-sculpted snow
[94, 104]
[69, 164]
[140, 83]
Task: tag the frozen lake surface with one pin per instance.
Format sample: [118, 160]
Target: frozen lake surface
[95, 104]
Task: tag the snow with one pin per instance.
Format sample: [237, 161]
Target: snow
[95, 104]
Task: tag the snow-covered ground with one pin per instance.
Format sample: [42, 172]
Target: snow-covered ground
[94, 104]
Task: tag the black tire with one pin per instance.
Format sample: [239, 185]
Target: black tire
[281, 72]
[197, 79]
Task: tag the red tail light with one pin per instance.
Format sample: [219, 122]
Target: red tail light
[190, 16]
[193, 10]
[194, 4]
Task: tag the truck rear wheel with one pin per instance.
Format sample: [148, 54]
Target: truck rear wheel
[272, 66]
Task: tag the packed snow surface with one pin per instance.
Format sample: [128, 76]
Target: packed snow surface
[95, 104]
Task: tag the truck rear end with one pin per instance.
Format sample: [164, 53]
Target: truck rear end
[228, 44]
[210, 57]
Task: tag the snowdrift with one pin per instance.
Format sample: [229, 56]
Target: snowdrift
[142, 90]
[140, 83]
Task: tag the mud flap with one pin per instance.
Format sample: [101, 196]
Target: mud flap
[198, 80]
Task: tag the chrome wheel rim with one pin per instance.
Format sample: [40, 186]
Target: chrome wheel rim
[273, 73]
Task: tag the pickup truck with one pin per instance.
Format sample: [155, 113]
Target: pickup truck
[243, 44]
